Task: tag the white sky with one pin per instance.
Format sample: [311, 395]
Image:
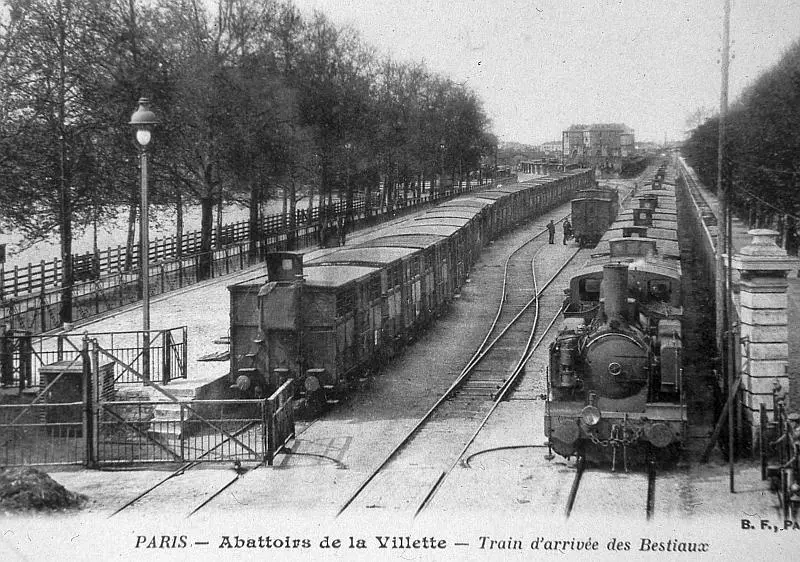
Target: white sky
[542, 65]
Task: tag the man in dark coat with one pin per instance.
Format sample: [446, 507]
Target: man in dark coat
[567, 230]
[551, 230]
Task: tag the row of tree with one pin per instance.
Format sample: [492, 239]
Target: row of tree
[254, 100]
[762, 151]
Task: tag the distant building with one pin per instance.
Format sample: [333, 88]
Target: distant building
[602, 145]
[648, 147]
[540, 167]
[551, 147]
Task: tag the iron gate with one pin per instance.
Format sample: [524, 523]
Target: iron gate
[170, 429]
[74, 418]
[52, 427]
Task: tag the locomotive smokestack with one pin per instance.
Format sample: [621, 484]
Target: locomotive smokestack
[615, 291]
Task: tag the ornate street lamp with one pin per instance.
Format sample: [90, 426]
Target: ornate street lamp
[143, 122]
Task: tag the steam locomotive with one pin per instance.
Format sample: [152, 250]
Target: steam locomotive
[615, 370]
[332, 320]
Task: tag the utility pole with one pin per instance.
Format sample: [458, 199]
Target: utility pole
[724, 329]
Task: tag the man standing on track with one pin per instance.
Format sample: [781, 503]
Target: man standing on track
[551, 230]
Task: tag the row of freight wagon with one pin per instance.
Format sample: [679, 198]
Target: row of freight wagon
[339, 316]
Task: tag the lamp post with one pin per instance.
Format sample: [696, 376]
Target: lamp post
[143, 120]
[348, 213]
[441, 163]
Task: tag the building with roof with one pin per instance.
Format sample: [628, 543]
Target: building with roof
[601, 145]
[551, 148]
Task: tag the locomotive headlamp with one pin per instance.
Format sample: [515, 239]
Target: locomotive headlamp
[590, 415]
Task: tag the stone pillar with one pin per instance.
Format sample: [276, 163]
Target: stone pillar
[763, 330]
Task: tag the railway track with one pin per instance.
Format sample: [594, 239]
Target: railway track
[218, 480]
[622, 493]
[456, 418]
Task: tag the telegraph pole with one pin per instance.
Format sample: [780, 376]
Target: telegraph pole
[724, 247]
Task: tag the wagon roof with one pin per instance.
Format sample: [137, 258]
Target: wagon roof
[365, 256]
[431, 227]
[594, 197]
[652, 232]
[335, 275]
[652, 264]
[510, 188]
[403, 240]
[439, 220]
[664, 207]
[451, 212]
[665, 248]
[593, 200]
[665, 223]
[491, 195]
[665, 193]
[598, 190]
[658, 215]
[466, 202]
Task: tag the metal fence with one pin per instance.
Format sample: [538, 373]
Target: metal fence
[42, 434]
[74, 417]
[27, 360]
[137, 432]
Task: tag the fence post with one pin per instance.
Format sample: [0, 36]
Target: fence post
[185, 354]
[146, 357]
[25, 360]
[88, 406]
[98, 387]
[182, 432]
[6, 357]
[166, 363]
[268, 429]
[98, 285]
